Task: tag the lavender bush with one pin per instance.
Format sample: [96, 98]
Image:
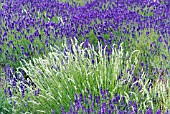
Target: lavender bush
[61, 74]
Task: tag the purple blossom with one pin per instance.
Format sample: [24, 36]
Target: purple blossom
[53, 111]
[167, 111]
[160, 39]
[163, 55]
[149, 111]
[158, 112]
[9, 92]
[0, 50]
[5, 92]
[166, 42]
[85, 44]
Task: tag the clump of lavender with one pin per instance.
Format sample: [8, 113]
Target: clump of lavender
[57, 76]
[104, 104]
[61, 74]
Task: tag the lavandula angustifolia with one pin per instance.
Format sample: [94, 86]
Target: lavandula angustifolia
[106, 106]
[86, 16]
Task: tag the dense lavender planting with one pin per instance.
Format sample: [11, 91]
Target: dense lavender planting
[40, 23]
[29, 27]
[59, 75]
[103, 104]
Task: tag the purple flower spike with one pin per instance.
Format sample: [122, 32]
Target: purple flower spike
[81, 97]
[142, 64]
[29, 46]
[85, 101]
[5, 91]
[5, 34]
[76, 97]
[22, 48]
[112, 107]
[114, 100]
[158, 112]
[85, 44]
[90, 97]
[149, 111]
[93, 61]
[120, 112]
[166, 42]
[167, 112]
[46, 43]
[71, 108]
[13, 83]
[160, 39]
[9, 92]
[130, 103]
[26, 54]
[100, 38]
[0, 50]
[164, 56]
[52, 111]
[123, 100]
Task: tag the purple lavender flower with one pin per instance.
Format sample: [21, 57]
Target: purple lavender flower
[158, 112]
[22, 90]
[26, 54]
[13, 83]
[160, 39]
[5, 92]
[52, 111]
[166, 42]
[149, 111]
[167, 112]
[9, 92]
[85, 44]
[163, 55]
[0, 50]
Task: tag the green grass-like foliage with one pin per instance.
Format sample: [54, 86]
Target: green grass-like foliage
[61, 74]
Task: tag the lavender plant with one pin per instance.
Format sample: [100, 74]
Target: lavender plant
[104, 103]
[41, 16]
[61, 74]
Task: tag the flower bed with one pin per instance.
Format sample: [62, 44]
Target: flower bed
[51, 50]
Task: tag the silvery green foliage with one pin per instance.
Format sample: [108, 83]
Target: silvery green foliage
[60, 74]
